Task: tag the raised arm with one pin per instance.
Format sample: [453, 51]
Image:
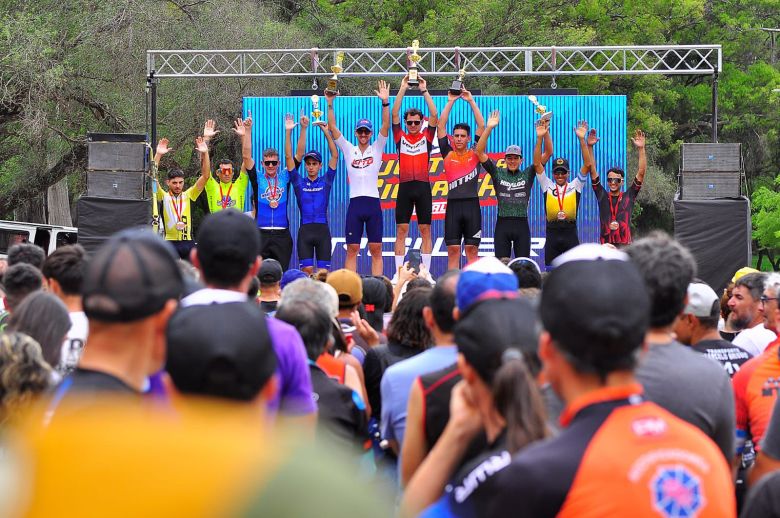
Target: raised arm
[383, 93]
[332, 116]
[209, 131]
[243, 128]
[433, 113]
[399, 97]
[593, 139]
[202, 148]
[289, 125]
[547, 153]
[581, 131]
[162, 149]
[301, 149]
[333, 160]
[639, 143]
[466, 95]
[542, 133]
[493, 120]
[441, 127]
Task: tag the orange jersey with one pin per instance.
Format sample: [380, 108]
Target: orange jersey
[755, 391]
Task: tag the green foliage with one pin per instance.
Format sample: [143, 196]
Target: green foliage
[766, 223]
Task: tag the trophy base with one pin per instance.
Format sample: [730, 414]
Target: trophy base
[333, 86]
[456, 87]
[413, 80]
[547, 116]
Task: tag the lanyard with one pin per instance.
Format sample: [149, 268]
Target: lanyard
[223, 198]
[614, 210]
[560, 197]
[180, 208]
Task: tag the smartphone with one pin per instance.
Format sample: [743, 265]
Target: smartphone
[414, 257]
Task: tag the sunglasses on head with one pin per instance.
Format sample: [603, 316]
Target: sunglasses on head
[413, 123]
[614, 180]
[270, 162]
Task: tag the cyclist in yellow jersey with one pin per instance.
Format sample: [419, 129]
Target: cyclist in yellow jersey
[229, 190]
[176, 203]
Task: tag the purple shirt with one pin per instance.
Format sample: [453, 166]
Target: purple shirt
[294, 396]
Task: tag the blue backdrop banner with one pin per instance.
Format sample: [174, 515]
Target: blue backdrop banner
[605, 113]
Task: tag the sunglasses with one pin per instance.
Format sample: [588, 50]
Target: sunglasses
[413, 123]
[614, 180]
[270, 162]
[363, 131]
[513, 157]
[225, 170]
[560, 173]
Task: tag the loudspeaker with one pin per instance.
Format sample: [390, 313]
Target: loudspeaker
[718, 233]
[117, 184]
[117, 151]
[711, 158]
[99, 218]
[709, 185]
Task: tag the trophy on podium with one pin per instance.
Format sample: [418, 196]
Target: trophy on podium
[540, 108]
[457, 83]
[333, 82]
[316, 113]
[414, 78]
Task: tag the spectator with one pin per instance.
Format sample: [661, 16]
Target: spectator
[291, 276]
[227, 256]
[43, 317]
[497, 396]
[762, 501]
[349, 288]
[26, 253]
[726, 326]
[24, 375]
[745, 305]
[270, 276]
[527, 272]
[19, 281]
[374, 302]
[64, 273]
[698, 327]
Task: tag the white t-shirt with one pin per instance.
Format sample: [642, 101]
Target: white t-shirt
[363, 167]
[74, 342]
[755, 339]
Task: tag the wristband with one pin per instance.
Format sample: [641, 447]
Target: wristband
[385, 104]
[423, 92]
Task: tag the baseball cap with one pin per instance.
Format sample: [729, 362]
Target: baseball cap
[514, 150]
[364, 123]
[227, 238]
[590, 252]
[232, 360]
[348, 286]
[374, 299]
[485, 278]
[742, 272]
[560, 164]
[597, 312]
[484, 335]
[313, 154]
[270, 271]
[701, 299]
[131, 277]
[291, 275]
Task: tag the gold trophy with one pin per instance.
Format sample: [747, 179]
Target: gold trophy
[316, 113]
[414, 78]
[540, 108]
[457, 83]
[333, 82]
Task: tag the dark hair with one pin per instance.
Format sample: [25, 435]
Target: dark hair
[616, 170]
[66, 265]
[26, 253]
[753, 282]
[254, 286]
[711, 322]
[226, 161]
[23, 374]
[417, 283]
[519, 402]
[312, 323]
[407, 326]
[390, 293]
[44, 317]
[269, 151]
[175, 173]
[463, 126]
[413, 111]
[19, 281]
[725, 310]
[527, 273]
[667, 268]
[339, 340]
[443, 300]
[320, 275]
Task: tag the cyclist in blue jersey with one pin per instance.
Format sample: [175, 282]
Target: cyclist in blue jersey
[312, 192]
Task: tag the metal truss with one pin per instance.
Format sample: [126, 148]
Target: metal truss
[478, 61]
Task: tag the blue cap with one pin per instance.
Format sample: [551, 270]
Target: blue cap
[313, 154]
[485, 278]
[364, 123]
[292, 275]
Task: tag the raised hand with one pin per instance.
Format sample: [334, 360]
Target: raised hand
[383, 91]
[639, 139]
[289, 122]
[494, 119]
[162, 147]
[210, 130]
[366, 332]
[406, 273]
[201, 146]
[582, 129]
[452, 97]
[466, 95]
[304, 121]
[330, 96]
[405, 82]
[423, 83]
[593, 138]
[541, 128]
[238, 127]
[248, 122]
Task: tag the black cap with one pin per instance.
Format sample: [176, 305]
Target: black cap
[131, 277]
[220, 350]
[270, 271]
[560, 163]
[374, 300]
[491, 327]
[597, 312]
[228, 245]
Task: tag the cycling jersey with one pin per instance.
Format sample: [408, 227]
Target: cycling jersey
[231, 195]
[755, 392]
[513, 189]
[272, 190]
[363, 166]
[565, 199]
[461, 169]
[177, 210]
[312, 196]
[414, 153]
[616, 209]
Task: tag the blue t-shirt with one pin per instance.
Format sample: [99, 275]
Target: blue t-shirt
[272, 189]
[312, 196]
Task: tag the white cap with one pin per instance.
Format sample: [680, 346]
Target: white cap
[701, 299]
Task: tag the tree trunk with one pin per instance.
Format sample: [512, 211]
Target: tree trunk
[59, 204]
[31, 211]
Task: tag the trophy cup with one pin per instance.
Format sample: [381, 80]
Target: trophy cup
[333, 82]
[457, 83]
[316, 113]
[540, 108]
[414, 79]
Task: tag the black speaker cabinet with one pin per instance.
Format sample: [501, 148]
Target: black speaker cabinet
[116, 151]
[709, 185]
[711, 158]
[117, 184]
[99, 218]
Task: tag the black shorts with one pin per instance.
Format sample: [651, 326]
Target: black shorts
[463, 221]
[276, 244]
[183, 248]
[314, 240]
[411, 196]
[560, 239]
[512, 232]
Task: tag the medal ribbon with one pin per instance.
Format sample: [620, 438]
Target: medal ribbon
[178, 210]
[561, 197]
[223, 198]
[275, 185]
[614, 210]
